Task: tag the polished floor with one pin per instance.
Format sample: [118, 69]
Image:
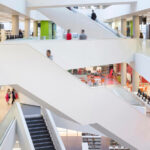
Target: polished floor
[4, 107]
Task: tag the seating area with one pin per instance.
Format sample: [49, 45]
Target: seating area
[145, 97]
[10, 37]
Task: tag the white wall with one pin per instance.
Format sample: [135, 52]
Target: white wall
[51, 86]
[77, 54]
[16, 5]
[121, 10]
[141, 65]
[36, 15]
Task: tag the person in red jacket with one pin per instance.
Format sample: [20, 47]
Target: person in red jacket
[68, 35]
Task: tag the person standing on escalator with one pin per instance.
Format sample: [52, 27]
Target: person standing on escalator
[93, 15]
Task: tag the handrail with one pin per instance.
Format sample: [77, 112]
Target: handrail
[16, 113]
[10, 132]
[99, 22]
[6, 131]
[57, 141]
[6, 123]
[28, 144]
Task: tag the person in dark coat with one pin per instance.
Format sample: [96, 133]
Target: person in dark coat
[13, 95]
[93, 15]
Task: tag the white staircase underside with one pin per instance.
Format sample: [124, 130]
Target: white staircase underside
[76, 22]
[53, 87]
[77, 54]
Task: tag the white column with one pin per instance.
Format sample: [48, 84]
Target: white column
[123, 74]
[124, 27]
[135, 81]
[136, 27]
[27, 28]
[15, 25]
[35, 28]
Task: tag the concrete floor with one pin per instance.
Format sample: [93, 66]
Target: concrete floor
[4, 107]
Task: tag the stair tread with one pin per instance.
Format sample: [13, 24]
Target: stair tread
[45, 148]
[42, 127]
[36, 124]
[39, 133]
[42, 139]
[34, 118]
[48, 142]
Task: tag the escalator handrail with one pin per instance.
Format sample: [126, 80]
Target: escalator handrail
[6, 122]
[57, 141]
[5, 133]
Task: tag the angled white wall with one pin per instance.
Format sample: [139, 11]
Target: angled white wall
[87, 53]
[36, 15]
[19, 6]
[117, 11]
[76, 22]
[141, 65]
[53, 87]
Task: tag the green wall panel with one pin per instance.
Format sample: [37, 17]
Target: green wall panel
[48, 30]
[131, 28]
[45, 29]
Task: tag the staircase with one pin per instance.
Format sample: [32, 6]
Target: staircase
[39, 133]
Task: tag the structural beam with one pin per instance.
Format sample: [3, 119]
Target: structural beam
[65, 3]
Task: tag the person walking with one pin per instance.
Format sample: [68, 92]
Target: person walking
[93, 15]
[7, 97]
[82, 36]
[13, 95]
[68, 35]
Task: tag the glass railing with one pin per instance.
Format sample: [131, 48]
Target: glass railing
[143, 46]
[6, 124]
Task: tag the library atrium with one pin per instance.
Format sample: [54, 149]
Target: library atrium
[74, 74]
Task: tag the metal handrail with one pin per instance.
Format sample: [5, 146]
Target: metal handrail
[58, 143]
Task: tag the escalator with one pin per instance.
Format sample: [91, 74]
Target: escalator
[33, 126]
[39, 133]
[42, 128]
[104, 25]
[72, 19]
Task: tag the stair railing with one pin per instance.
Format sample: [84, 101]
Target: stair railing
[15, 113]
[23, 134]
[6, 124]
[9, 137]
[57, 141]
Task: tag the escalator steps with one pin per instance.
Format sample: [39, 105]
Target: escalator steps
[39, 133]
